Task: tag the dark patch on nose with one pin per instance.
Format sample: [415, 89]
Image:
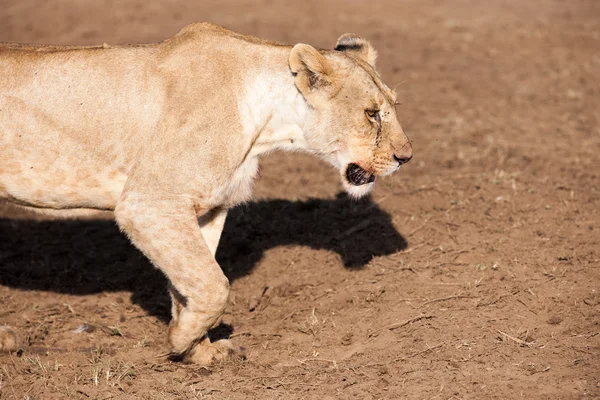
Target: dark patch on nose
[359, 176]
[402, 160]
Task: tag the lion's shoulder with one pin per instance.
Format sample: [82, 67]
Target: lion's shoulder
[209, 30]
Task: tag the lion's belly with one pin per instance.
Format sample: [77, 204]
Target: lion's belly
[61, 189]
[42, 166]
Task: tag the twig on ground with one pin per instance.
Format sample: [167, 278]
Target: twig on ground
[418, 228]
[526, 306]
[254, 378]
[318, 359]
[398, 325]
[240, 334]
[497, 299]
[543, 370]
[421, 352]
[514, 339]
[411, 249]
[458, 296]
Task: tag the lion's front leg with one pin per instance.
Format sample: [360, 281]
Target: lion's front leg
[167, 232]
[211, 226]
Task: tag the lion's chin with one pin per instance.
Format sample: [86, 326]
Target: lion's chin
[357, 192]
[357, 181]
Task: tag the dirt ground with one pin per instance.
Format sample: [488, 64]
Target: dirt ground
[474, 273]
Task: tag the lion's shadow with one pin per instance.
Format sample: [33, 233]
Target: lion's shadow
[91, 256]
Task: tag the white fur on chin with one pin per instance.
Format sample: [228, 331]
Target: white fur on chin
[356, 192]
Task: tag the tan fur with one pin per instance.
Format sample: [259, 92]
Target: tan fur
[167, 133]
[8, 339]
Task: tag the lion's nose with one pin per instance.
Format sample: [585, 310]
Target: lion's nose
[404, 155]
[402, 159]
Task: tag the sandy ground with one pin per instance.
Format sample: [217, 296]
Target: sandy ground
[472, 274]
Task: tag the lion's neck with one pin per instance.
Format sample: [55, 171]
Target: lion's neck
[273, 113]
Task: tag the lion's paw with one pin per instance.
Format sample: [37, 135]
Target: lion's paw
[8, 339]
[207, 353]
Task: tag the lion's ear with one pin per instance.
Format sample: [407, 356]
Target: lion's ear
[311, 70]
[357, 46]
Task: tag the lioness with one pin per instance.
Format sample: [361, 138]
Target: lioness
[168, 136]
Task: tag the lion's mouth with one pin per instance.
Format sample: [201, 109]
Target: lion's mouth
[359, 176]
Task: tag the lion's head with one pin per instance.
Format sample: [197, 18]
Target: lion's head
[352, 121]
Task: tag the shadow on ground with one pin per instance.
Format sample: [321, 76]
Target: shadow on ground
[91, 256]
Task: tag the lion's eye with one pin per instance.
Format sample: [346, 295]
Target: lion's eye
[373, 114]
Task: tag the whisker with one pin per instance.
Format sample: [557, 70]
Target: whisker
[398, 84]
